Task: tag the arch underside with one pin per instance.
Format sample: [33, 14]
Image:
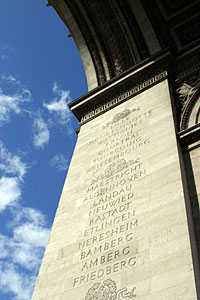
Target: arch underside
[113, 36]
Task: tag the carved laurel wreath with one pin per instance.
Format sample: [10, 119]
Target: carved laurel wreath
[108, 291]
[114, 168]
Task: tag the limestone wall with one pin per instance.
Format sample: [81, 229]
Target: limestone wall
[121, 229]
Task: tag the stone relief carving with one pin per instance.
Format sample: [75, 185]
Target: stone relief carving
[185, 92]
[125, 113]
[107, 290]
[134, 28]
[118, 166]
[187, 89]
[188, 93]
[101, 41]
[114, 168]
[121, 115]
[112, 34]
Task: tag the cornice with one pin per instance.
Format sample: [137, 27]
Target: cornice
[190, 137]
[121, 88]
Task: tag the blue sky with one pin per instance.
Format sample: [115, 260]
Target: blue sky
[40, 72]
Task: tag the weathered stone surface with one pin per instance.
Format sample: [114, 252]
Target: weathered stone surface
[121, 228]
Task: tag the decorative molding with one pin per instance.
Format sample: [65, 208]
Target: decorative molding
[188, 93]
[195, 67]
[107, 105]
[189, 137]
[134, 29]
[112, 34]
[77, 130]
[92, 47]
[107, 56]
[185, 92]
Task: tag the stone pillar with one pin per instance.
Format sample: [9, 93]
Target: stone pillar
[121, 229]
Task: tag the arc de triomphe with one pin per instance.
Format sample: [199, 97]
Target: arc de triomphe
[128, 221]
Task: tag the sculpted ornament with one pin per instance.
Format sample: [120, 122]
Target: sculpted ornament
[189, 98]
[121, 115]
[108, 291]
[114, 168]
[187, 89]
[125, 113]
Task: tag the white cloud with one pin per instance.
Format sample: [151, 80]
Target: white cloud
[13, 281]
[3, 247]
[12, 102]
[22, 250]
[9, 104]
[40, 132]
[59, 162]
[4, 57]
[10, 192]
[6, 51]
[26, 257]
[21, 253]
[10, 187]
[32, 234]
[30, 241]
[11, 164]
[6, 47]
[11, 79]
[58, 105]
[31, 215]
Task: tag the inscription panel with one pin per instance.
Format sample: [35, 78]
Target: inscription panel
[121, 230]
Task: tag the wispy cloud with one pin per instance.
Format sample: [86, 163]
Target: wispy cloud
[11, 164]
[12, 281]
[6, 47]
[10, 192]
[10, 79]
[22, 252]
[3, 247]
[59, 162]
[6, 52]
[10, 187]
[41, 132]
[58, 106]
[4, 57]
[30, 236]
[12, 102]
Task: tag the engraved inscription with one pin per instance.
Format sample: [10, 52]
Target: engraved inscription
[108, 244]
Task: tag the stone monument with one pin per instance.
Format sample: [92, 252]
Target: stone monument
[128, 222]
